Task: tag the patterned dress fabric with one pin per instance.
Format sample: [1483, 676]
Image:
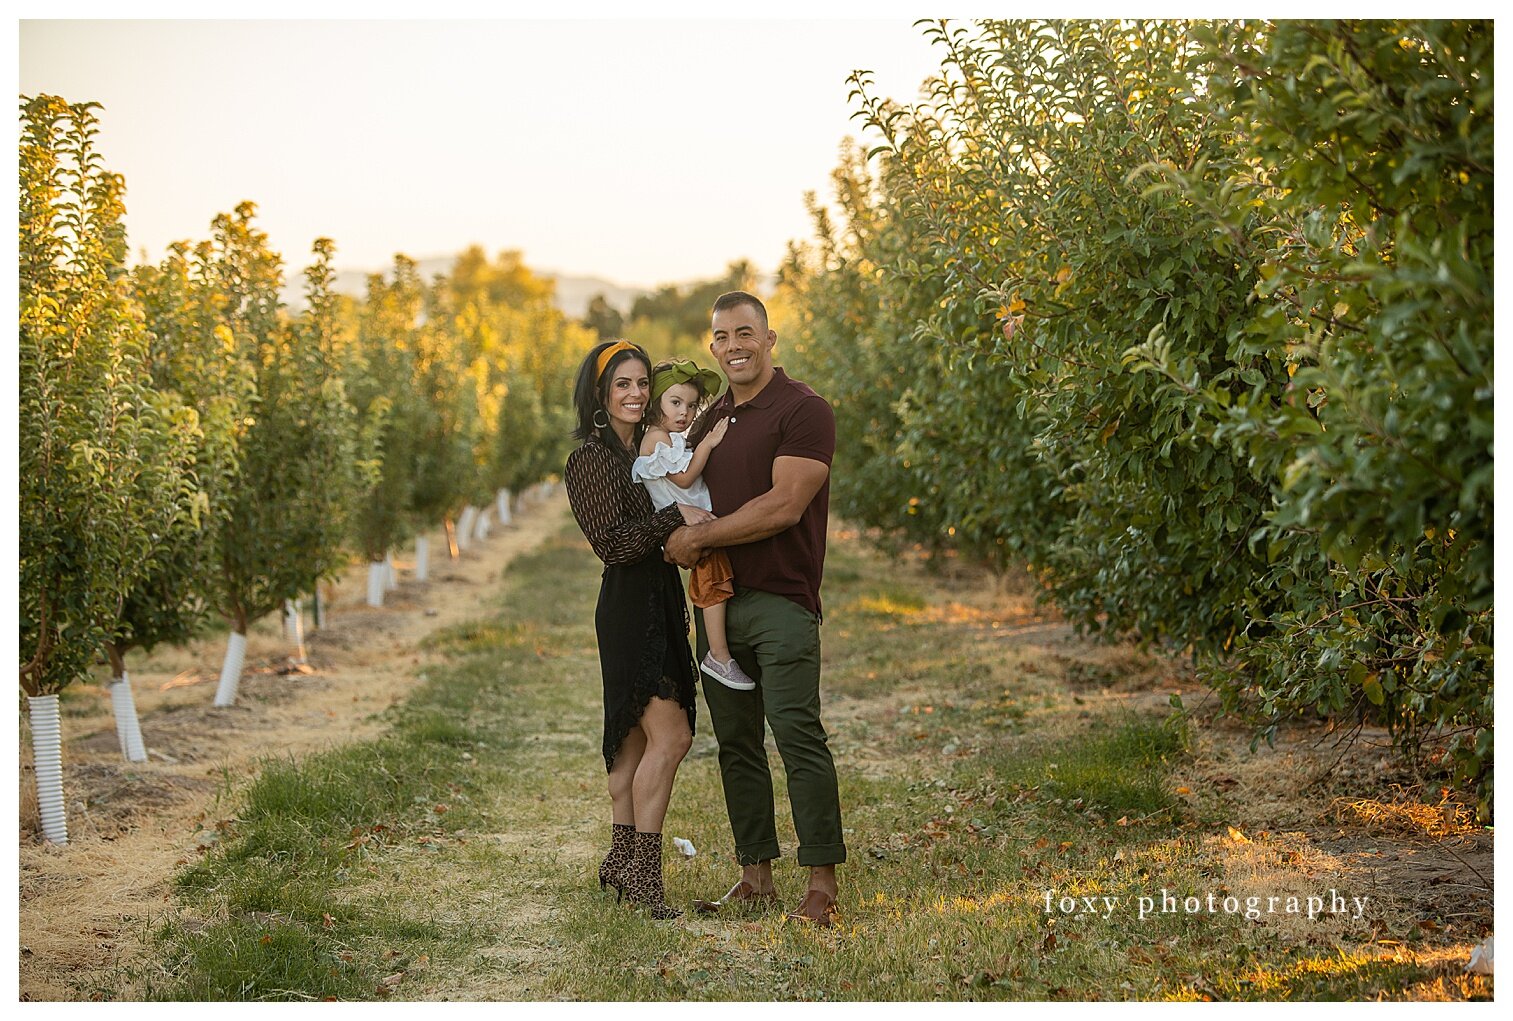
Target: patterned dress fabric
[641, 618]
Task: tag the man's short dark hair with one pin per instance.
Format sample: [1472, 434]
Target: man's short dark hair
[735, 299]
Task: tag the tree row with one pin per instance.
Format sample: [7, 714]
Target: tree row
[1195, 319]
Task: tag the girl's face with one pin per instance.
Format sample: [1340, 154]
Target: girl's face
[677, 407]
[628, 388]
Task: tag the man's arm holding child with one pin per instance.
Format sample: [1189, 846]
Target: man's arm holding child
[795, 481]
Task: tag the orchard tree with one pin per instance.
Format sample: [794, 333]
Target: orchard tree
[301, 454]
[389, 324]
[603, 318]
[1365, 149]
[104, 462]
[192, 358]
[444, 448]
[1196, 318]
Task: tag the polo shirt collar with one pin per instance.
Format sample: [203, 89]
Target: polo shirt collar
[768, 393]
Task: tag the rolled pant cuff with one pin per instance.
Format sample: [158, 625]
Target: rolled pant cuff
[822, 854]
[755, 854]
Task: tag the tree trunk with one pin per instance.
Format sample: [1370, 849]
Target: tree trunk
[127, 728]
[375, 583]
[465, 527]
[231, 667]
[422, 558]
[295, 626]
[47, 754]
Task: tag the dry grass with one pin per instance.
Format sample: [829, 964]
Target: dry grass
[86, 909]
[976, 736]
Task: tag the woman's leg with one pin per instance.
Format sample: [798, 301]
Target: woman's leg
[667, 739]
[622, 776]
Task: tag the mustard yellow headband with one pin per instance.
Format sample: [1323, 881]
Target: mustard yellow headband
[610, 352]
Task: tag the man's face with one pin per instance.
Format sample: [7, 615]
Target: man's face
[742, 344]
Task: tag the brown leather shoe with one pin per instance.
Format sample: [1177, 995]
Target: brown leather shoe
[817, 907]
[742, 895]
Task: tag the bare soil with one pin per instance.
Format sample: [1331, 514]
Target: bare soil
[88, 907]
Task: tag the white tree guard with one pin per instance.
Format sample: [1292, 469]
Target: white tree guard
[294, 627]
[422, 558]
[391, 576]
[465, 527]
[481, 527]
[47, 753]
[503, 503]
[231, 670]
[127, 728]
[375, 583]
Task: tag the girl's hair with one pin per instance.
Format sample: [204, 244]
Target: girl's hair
[592, 387]
[653, 414]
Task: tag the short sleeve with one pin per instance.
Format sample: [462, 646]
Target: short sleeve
[809, 431]
[664, 460]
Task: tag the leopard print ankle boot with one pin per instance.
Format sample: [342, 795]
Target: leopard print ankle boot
[612, 869]
[643, 878]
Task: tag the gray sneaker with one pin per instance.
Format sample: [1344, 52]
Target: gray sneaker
[729, 674]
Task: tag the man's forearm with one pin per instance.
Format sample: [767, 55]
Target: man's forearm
[757, 519]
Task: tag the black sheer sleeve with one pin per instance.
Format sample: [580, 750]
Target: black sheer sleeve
[614, 512]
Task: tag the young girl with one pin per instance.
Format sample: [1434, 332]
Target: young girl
[672, 474]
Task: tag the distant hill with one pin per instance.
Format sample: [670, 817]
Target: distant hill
[573, 292]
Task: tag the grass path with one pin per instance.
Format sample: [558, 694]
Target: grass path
[988, 760]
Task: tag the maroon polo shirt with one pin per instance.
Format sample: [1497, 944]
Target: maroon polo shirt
[786, 419]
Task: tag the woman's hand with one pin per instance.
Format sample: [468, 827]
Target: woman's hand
[693, 515]
[716, 433]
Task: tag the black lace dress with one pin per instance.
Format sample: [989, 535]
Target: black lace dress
[641, 619]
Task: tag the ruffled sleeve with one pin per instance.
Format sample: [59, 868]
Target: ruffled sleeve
[663, 461]
[615, 514]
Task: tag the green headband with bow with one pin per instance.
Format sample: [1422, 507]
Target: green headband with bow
[683, 370]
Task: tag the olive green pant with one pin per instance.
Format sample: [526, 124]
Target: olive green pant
[777, 643]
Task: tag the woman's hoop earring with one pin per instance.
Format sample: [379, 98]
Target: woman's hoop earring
[598, 424]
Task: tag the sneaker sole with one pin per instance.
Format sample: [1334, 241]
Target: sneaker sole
[729, 684]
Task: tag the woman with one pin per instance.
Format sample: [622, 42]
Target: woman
[641, 619]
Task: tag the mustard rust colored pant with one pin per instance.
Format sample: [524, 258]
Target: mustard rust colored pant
[777, 643]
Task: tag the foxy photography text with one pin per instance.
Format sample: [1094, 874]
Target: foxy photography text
[1330, 904]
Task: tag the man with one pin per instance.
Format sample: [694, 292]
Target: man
[769, 480]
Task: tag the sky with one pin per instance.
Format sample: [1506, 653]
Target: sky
[647, 151]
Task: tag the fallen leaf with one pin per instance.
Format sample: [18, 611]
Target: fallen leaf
[1237, 836]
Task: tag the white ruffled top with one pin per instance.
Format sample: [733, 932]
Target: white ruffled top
[651, 470]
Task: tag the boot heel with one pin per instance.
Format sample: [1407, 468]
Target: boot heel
[612, 869]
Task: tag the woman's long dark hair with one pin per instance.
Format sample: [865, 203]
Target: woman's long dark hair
[591, 389]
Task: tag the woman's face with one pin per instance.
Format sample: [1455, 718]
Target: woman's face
[677, 406]
[628, 389]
